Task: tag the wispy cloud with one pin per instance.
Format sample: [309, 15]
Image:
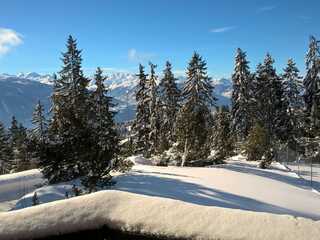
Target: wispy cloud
[222, 29]
[305, 18]
[135, 56]
[8, 40]
[265, 9]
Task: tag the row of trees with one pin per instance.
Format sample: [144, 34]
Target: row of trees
[168, 116]
[80, 139]
[15, 148]
[268, 109]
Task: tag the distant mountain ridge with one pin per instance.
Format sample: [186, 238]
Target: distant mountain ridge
[19, 94]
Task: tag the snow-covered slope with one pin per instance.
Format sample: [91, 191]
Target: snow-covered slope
[19, 94]
[201, 203]
[16, 185]
[237, 185]
[152, 215]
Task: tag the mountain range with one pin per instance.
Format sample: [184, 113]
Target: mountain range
[19, 94]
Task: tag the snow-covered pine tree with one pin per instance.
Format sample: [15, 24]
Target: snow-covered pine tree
[270, 101]
[18, 144]
[194, 116]
[311, 83]
[105, 137]
[70, 130]
[241, 96]
[5, 151]
[223, 142]
[293, 87]
[39, 132]
[154, 108]
[141, 125]
[169, 104]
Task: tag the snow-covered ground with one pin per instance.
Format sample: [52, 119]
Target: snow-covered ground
[16, 185]
[217, 192]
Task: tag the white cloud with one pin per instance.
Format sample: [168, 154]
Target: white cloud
[266, 9]
[8, 40]
[134, 55]
[222, 29]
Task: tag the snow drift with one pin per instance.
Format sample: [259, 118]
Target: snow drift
[151, 215]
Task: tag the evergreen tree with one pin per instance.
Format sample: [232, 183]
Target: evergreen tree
[5, 151]
[270, 101]
[14, 132]
[223, 143]
[70, 138]
[169, 101]
[105, 137]
[154, 110]
[241, 96]
[39, 132]
[312, 83]
[257, 143]
[18, 143]
[141, 125]
[194, 116]
[293, 93]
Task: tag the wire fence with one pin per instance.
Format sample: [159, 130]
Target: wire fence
[306, 164]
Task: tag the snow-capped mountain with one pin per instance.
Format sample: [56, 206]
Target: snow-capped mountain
[20, 93]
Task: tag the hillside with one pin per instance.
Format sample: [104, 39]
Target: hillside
[20, 93]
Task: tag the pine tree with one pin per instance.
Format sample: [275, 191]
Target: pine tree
[39, 132]
[270, 101]
[257, 143]
[69, 130]
[154, 108]
[18, 143]
[105, 137]
[311, 83]
[14, 132]
[169, 104]
[293, 93]
[223, 142]
[141, 125]
[5, 151]
[241, 96]
[194, 116]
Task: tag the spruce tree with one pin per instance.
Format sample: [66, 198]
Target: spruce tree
[270, 101]
[194, 117]
[293, 92]
[105, 148]
[311, 84]
[18, 143]
[241, 96]
[69, 130]
[153, 100]
[257, 143]
[5, 151]
[141, 125]
[169, 104]
[39, 121]
[223, 142]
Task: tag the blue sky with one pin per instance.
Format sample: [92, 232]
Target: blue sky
[118, 34]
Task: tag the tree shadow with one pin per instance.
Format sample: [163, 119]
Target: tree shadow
[161, 173]
[247, 169]
[197, 194]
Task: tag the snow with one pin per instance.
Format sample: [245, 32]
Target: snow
[206, 203]
[16, 185]
[144, 214]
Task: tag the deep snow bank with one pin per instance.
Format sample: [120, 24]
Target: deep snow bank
[151, 215]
